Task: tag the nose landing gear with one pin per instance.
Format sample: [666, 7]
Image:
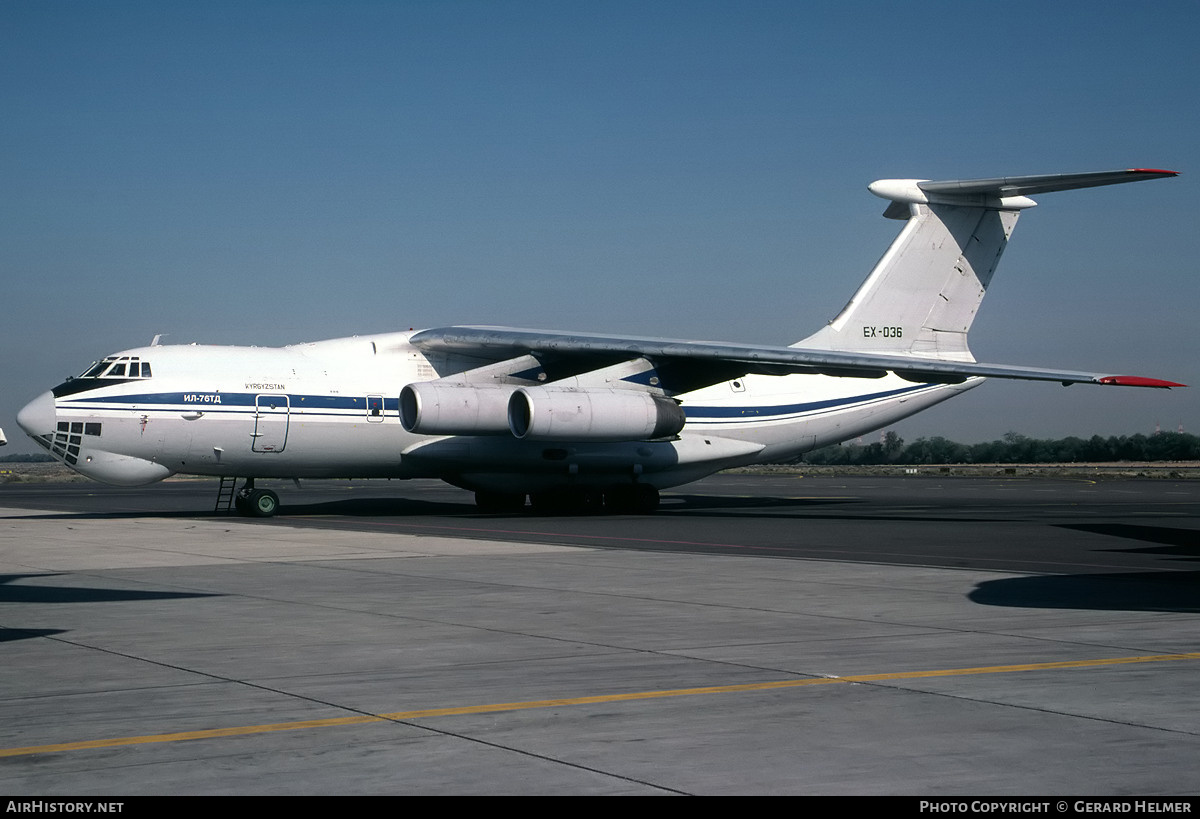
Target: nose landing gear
[248, 501]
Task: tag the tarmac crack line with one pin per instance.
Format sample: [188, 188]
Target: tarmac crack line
[1039, 710]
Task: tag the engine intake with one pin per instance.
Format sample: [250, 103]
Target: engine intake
[564, 414]
[428, 408]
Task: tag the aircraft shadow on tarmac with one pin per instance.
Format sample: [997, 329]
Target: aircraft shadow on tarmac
[1177, 591]
[375, 507]
[399, 507]
[349, 507]
[716, 506]
[1123, 591]
[723, 503]
[12, 591]
[11, 635]
[1179, 544]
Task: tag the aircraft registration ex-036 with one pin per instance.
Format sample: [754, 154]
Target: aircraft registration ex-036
[571, 421]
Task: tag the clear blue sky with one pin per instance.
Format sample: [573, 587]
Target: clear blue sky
[273, 172]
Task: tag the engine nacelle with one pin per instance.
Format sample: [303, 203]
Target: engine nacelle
[564, 414]
[429, 408]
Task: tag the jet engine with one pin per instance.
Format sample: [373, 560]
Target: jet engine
[430, 408]
[565, 414]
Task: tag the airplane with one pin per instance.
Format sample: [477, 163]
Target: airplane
[573, 422]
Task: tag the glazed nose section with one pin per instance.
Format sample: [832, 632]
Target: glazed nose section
[38, 417]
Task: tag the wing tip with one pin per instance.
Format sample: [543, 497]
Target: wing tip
[1138, 381]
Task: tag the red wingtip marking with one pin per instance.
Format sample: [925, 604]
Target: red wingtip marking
[1152, 170]
[1138, 381]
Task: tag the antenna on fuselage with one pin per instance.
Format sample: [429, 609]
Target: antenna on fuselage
[155, 341]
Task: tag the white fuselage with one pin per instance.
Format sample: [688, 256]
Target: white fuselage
[330, 410]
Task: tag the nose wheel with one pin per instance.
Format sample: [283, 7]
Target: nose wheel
[256, 503]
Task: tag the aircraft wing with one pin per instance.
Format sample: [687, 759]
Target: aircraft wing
[701, 363]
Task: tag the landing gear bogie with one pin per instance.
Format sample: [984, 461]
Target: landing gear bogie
[623, 499]
[632, 499]
[499, 501]
[568, 501]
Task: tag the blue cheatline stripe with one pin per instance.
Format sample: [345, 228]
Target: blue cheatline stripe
[759, 412]
[173, 400]
[315, 404]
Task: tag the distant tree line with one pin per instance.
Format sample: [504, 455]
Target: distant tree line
[25, 459]
[1013, 448]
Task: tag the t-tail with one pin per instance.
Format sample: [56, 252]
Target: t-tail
[922, 296]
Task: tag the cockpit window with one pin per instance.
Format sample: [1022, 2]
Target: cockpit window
[122, 367]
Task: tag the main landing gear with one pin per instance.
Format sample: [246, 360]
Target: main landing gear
[623, 499]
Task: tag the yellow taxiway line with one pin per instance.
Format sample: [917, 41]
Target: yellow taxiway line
[401, 716]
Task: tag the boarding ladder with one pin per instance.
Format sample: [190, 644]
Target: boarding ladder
[226, 492]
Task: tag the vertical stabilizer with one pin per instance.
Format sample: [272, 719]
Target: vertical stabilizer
[922, 296]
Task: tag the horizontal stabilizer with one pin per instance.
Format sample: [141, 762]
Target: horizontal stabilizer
[1004, 192]
[1045, 183]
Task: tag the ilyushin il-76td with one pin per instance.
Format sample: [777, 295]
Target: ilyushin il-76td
[564, 420]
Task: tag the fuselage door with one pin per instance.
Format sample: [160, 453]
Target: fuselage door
[375, 409]
[270, 423]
